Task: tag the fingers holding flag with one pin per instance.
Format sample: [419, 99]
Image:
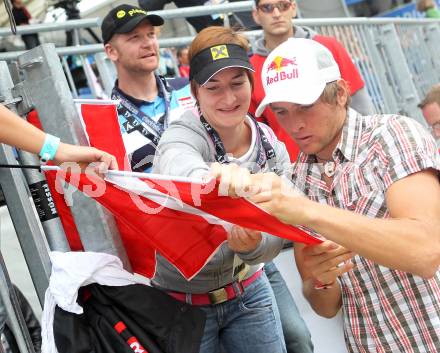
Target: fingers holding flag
[89, 158]
[234, 181]
[243, 240]
[271, 192]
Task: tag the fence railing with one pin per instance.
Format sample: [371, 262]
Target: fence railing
[193, 11]
[398, 58]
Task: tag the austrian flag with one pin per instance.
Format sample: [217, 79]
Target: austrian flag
[186, 221]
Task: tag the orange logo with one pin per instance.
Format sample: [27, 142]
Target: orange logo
[279, 62]
[279, 65]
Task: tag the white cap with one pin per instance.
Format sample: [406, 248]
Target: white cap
[297, 71]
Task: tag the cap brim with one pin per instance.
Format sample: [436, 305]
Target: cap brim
[154, 20]
[296, 95]
[204, 75]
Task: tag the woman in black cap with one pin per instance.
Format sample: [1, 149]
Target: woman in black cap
[232, 288]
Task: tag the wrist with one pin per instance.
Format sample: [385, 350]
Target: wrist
[303, 213]
[62, 154]
[68, 153]
[49, 149]
[311, 212]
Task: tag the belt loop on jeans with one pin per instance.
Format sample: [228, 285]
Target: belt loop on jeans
[238, 288]
[188, 299]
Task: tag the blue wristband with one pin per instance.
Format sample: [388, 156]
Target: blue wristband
[49, 148]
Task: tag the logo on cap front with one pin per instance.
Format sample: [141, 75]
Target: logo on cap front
[279, 62]
[121, 14]
[133, 12]
[219, 52]
[281, 67]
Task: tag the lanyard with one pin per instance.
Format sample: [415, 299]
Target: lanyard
[265, 152]
[140, 121]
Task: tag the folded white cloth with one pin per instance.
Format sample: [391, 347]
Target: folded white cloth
[70, 272]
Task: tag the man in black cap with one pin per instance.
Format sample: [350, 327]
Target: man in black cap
[147, 102]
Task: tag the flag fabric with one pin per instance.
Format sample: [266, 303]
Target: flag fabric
[184, 224]
[100, 122]
[187, 231]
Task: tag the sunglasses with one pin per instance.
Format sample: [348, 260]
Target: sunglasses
[280, 5]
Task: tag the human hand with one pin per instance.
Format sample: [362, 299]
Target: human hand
[84, 156]
[324, 262]
[243, 240]
[276, 196]
[233, 180]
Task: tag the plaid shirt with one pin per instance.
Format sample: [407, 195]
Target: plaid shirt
[384, 310]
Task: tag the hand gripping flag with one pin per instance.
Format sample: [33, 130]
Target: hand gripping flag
[184, 220]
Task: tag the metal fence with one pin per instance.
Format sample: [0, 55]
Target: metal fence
[398, 58]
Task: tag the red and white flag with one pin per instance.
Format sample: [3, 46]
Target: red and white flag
[184, 220]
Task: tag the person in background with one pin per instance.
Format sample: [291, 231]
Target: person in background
[430, 107]
[232, 289]
[198, 22]
[19, 133]
[182, 57]
[22, 17]
[167, 63]
[429, 8]
[147, 101]
[275, 17]
[370, 186]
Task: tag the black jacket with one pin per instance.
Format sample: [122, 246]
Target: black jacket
[126, 319]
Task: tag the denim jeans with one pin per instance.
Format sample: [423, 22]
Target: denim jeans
[296, 333]
[249, 323]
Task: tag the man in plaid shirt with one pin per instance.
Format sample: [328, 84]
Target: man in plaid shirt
[372, 190]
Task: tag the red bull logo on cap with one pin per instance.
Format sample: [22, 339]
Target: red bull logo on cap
[280, 65]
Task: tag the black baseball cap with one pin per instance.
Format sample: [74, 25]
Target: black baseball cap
[124, 18]
[210, 61]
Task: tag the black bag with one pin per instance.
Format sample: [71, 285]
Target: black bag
[127, 319]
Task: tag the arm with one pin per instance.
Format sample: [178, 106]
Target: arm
[408, 241]
[19, 133]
